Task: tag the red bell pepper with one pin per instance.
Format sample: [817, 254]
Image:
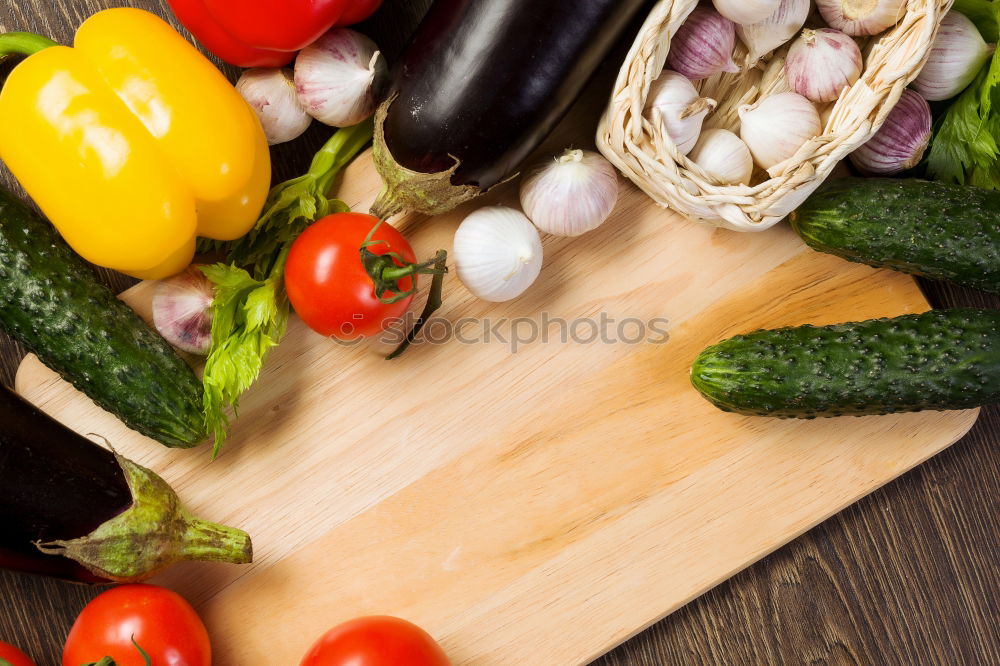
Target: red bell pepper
[266, 33]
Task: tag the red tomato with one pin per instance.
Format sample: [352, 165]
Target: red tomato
[376, 641]
[13, 656]
[162, 623]
[329, 287]
[358, 11]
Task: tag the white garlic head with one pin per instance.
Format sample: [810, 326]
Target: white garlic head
[723, 156]
[776, 127]
[572, 194]
[498, 253]
[339, 77]
[674, 100]
[271, 94]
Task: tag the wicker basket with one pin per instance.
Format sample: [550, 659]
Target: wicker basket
[644, 153]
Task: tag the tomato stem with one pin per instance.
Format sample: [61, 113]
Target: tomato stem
[434, 301]
[387, 270]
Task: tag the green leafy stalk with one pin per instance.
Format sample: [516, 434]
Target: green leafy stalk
[251, 309]
[966, 147]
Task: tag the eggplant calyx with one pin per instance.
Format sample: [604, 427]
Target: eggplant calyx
[153, 533]
[407, 190]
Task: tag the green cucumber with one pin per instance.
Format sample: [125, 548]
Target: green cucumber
[940, 231]
[942, 359]
[51, 301]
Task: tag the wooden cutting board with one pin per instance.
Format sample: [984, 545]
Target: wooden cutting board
[535, 507]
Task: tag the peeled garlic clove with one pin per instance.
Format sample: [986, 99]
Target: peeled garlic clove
[955, 58]
[340, 77]
[902, 140]
[723, 156]
[821, 63]
[271, 94]
[703, 46]
[861, 17]
[572, 194]
[182, 311]
[764, 36]
[745, 12]
[680, 109]
[776, 127]
[498, 253]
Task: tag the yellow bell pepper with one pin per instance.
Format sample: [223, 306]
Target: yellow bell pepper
[133, 144]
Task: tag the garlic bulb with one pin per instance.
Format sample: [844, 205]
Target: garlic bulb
[271, 93]
[570, 195]
[777, 126]
[745, 12]
[861, 17]
[821, 63]
[955, 58]
[679, 108]
[340, 77]
[182, 311]
[901, 141]
[764, 36]
[498, 253]
[703, 46]
[723, 156]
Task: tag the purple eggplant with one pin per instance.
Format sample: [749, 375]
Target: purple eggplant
[479, 87]
[72, 509]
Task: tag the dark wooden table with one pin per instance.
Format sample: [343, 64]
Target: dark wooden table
[910, 575]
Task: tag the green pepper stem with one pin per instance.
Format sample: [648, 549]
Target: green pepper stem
[23, 43]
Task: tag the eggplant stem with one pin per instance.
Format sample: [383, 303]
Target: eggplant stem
[210, 542]
[386, 205]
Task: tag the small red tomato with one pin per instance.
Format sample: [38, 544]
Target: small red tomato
[12, 656]
[376, 641]
[328, 285]
[161, 622]
[358, 11]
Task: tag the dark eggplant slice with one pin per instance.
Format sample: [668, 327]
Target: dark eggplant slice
[481, 84]
[72, 509]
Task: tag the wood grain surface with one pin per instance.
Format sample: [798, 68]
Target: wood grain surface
[907, 576]
[537, 505]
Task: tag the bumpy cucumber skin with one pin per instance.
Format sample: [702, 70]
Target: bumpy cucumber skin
[940, 231]
[51, 301]
[943, 359]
